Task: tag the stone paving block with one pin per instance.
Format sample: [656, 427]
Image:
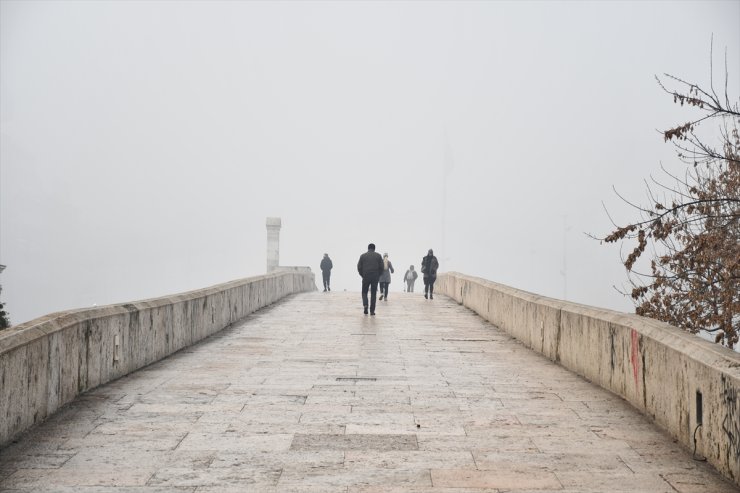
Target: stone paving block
[345, 477]
[120, 475]
[378, 407]
[192, 459]
[281, 398]
[592, 397]
[438, 424]
[421, 489]
[301, 488]
[71, 428]
[440, 404]
[102, 489]
[156, 420]
[618, 483]
[180, 408]
[243, 428]
[369, 396]
[354, 442]
[698, 481]
[36, 461]
[509, 386]
[33, 442]
[529, 396]
[361, 418]
[479, 443]
[198, 386]
[111, 456]
[155, 441]
[334, 387]
[563, 432]
[471, 478]
[555, 444]
[243, 383]
[349, 398]
[176, 398]
[550, 417]
[249, 478]
[517, 405]
[134, 427]
[417, 459]
[483, 405]
[554, 462]
[279, 460]
[380, 429]
[326, 408]
[230, 399]
[617, 409]
[641, 433]
[234, 442]
[267, 415]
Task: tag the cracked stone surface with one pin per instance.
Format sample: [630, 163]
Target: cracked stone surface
[310, 395]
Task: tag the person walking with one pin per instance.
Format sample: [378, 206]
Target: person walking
[326, 266]
[370, 267]
[385, 277]
[429, 266]
[410, 278]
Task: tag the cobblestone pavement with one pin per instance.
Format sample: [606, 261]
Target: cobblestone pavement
[310, 395]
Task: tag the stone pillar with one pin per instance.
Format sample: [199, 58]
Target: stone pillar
[273, 243]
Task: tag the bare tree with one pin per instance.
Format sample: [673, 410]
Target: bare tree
[690, 229]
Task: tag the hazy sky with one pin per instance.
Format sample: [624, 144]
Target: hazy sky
[143, 143]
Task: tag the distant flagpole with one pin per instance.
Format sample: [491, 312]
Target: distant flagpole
[447, 166]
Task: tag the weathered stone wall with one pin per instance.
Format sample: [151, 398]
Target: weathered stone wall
[47, 362]
[659, 369]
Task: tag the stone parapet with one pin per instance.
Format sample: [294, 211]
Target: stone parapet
[674, 377]
[47, 362]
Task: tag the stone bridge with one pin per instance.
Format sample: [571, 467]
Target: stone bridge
[265, 384]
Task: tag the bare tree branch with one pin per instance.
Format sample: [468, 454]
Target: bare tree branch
[684, 263]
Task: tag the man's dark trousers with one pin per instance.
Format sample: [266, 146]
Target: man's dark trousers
[326, 274]
[429, 285]
[370, 282]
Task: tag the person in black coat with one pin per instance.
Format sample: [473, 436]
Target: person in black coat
[429, 266]
[326, 267]
[370, 267]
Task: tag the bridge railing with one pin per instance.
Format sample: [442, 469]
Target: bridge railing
[47, 362]
[688, 386]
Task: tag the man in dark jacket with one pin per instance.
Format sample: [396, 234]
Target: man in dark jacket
[370, 266]
[429, 266]
[326, 266]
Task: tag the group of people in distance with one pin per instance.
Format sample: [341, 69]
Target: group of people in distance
[376, 270]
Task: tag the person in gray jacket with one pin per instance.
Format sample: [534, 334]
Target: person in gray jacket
[385, 277]
[370, 266]
[410, 278]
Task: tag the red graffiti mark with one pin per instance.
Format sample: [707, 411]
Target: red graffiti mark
[635, 356]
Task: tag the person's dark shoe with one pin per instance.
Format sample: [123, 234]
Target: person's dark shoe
[431, 297]
[425, 296]
[325, 290]
[372, 313]
[328, 288]
[365, 310]
[381, 297]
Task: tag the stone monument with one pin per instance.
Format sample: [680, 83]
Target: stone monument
[273, 243]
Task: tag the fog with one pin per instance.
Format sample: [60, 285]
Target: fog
[143, 144]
